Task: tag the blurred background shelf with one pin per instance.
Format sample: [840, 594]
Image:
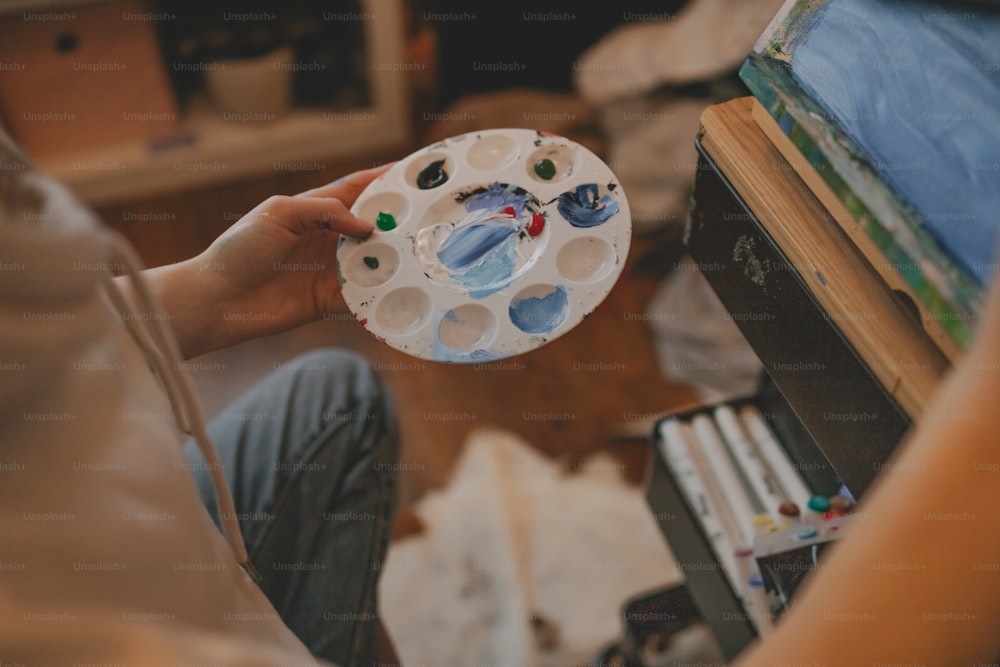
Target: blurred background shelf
[209, 150]
[12, 7]
[129, 99]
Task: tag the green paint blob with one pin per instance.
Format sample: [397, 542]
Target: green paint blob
[385, 221]
[545, 168]
[371, 262]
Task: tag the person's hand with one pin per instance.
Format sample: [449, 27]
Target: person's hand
[274, 269]
[278, 263]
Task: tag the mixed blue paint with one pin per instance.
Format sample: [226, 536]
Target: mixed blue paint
[481, 251]
[919, 92]
[540, 314]
[583, 207]
[496, 197]
[467, 249]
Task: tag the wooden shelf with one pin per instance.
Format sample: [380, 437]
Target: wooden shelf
[211, 150]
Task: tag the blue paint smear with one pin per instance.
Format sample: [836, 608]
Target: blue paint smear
[583, 208]
[481, 257]
[918, 92]
[468, 246]
[497, 197]
[481, 252]
[542, 314]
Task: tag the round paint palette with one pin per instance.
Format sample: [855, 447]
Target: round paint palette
[487, 245]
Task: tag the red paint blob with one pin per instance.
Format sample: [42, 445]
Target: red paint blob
[510, 211]
[536, 225]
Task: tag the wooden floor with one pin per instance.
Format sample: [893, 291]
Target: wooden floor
[570, 398]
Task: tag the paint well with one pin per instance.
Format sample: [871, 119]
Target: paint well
[585, 206]
[371, 265]
[391, 204]
[467, 328]
[430, 170]
[539, 309]
[585, 259]
[492, 152]
[552, 163]
[432, 176]
[403, 311]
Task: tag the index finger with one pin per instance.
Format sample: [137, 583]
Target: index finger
[348, 188]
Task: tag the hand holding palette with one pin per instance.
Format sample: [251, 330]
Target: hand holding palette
[487, 245]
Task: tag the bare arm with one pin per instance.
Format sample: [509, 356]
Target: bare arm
[917, 580]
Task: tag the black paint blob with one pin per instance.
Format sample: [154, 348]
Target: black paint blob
[432, 175]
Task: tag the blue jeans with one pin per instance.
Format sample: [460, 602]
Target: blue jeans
[310, 453]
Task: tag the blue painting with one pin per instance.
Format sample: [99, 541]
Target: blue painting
[897, 105]
[919, 91]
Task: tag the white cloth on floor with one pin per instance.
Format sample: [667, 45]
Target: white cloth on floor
[514, 536]
[697, 342]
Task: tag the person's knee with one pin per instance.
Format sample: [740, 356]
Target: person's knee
[358, 418]
[351, 395]
[335, 375]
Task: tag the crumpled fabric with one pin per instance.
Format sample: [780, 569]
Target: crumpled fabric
[697, 343]
[650, 82]
[513, 538]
